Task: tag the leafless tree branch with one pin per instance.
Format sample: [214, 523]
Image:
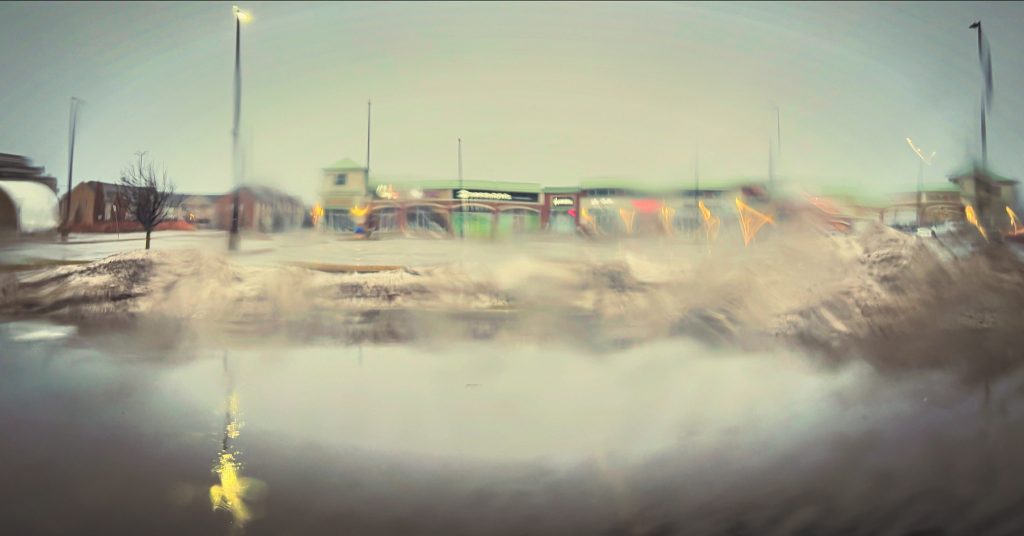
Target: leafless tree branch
[150, 195]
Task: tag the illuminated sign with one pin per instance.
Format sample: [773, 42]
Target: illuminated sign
[562, 201]
[493, 196]
[601, 201]
[646, 206]
[386, 191]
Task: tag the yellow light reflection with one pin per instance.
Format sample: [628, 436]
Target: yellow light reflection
[972, 217]
[316, 213]
[360, 211]
[711, 222]
[232, 490]
[1014, 221]
[667, 215]
[628, 216]
[751, 221]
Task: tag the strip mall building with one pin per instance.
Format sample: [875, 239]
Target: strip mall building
[493, 209]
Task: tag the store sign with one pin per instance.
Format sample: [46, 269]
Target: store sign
[562, 201]
[386, 191]
[601, 201]
[493, 196]
[647, 205]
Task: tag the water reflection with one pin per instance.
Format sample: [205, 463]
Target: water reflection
[234, 489]
[460, 439]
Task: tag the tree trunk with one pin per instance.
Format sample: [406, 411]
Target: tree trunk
[147, 238]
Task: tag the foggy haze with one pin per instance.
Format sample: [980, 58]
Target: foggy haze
[548, 93]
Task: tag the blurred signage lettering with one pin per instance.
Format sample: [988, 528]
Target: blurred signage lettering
[562, 202]
[494, 196]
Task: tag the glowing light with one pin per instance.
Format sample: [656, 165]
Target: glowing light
[1014, 221]
[628, 216]
[228, 494]
[316, 213]
[646, 205]
[359, 211]
[973, 219]
[920, 153]
[751, 221]
[232, 489]
[667, 215]
[242, 16]
[386, 191]
[711, 222]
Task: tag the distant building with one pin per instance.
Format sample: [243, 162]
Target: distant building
[94, 204]
[939, 203]
[344, 195]
[449, 207]
[989, 195]
[260, 208]
[28, 201]
[199, 210]
[18, 168]
[561, 210]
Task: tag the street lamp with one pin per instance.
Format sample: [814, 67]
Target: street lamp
[240, 16]
[920, 173]
[985, 59]
[73, 123]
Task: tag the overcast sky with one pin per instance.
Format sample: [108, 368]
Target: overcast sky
[545, 93]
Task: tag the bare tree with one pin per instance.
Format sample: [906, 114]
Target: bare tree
[150, 195]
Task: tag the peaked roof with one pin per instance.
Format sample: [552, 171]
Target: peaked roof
[971, 167]
[345, 163]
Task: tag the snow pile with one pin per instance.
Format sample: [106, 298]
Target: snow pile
[872, 291]
[35, 203]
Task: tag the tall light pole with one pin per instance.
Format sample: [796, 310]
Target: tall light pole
[72, 124]
[985, 59]
[778, 130]
[462, 200]
[233, 237]
[369, 109]
[920, 174]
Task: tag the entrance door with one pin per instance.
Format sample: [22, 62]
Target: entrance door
[472, 222]
[518, 222]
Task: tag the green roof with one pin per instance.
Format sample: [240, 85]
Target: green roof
[345, 163]
[453, 184]
[561, 189]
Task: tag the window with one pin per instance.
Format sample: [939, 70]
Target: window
[340, 179]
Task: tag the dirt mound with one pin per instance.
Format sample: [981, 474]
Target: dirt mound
[875, 292]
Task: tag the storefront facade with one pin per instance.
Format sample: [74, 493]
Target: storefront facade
[561, 214]
[471, 209]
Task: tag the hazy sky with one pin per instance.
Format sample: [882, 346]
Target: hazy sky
[539, 92]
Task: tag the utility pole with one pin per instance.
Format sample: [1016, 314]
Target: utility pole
[72, 125]
[369, 105]
[778, 130]
[462, 200]
[771, 162]
[920, 176]
[233, 238]
[985, 59]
